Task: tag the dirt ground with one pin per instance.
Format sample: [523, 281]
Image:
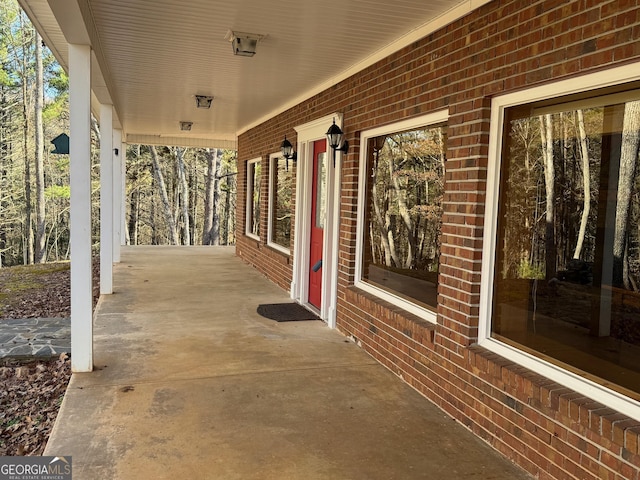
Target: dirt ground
[31, 391]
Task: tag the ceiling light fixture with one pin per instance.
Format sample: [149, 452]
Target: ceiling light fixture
[203, 101]
[186, 126]
[244, 44]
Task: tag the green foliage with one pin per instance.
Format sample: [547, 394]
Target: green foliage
[17, 155]
[53, 111]
[531, 272]
[17, 91]
[58, 80]
[58, 192]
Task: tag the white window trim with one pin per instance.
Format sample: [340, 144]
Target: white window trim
[597, 392]
[412, 123]
[249, 198]
[273, 166]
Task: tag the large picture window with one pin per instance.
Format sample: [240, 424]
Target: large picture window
[401, 211]
[254, 175]
[566, 281]
[281, 184]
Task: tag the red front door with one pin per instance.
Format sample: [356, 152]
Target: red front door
[318, 214]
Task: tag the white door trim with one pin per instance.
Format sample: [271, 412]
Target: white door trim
[307, 134]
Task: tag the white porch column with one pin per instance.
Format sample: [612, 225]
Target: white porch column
[106, 199]
[117, 192]
[80, 182]
[123, 193]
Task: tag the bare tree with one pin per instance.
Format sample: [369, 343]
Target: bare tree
[404, 214]
[584, 151]
[215, 225]
[546, 134]
[166, 206]
[40, 244]
[628, 160]
[28, 207]
[183, 195]
[211, 155]
[384, 226]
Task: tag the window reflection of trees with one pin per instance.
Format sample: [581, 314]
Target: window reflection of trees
[404, 211]
[568, 260]
[282, 203]
[255, 175]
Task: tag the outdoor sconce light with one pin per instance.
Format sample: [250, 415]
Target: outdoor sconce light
[334, 137]
[186, 126]
[203, 101]
[378, 143]
[287, 152]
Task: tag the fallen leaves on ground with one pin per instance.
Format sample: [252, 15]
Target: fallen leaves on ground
[31, 393]
[30, 398]
[40, 291]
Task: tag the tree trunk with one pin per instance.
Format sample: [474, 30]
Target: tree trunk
[215, 226]
[184, 196]
[166, 207]
[406, 218]
[208, 196]
[628, 160]
[134, 216]
[586, 185]
[227, 214]
[40, 244]
[193, 199]
[546, 132]
[28, 207]
[4, 161]
[383, 227]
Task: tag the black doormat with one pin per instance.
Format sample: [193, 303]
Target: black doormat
[286, 312]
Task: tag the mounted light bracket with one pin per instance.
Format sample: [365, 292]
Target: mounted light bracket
[335, 138]
[204, 101]
[244, 44]
[287, 152]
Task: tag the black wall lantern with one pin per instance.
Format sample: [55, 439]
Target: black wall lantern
[334, 137]
[287, 152]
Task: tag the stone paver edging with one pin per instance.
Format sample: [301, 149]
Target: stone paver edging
[34, 337]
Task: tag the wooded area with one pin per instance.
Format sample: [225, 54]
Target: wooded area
[180, 196]
[567, 277]
[404, 207]
[174, 195]
[572, 197]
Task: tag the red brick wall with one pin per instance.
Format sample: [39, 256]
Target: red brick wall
[273, 263]
[501, 47]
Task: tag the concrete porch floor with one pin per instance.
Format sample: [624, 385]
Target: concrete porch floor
[191, 382]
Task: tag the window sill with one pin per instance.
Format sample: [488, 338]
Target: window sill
[279, 248]
[411, 326]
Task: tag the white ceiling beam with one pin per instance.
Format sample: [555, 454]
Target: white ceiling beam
[199, 142]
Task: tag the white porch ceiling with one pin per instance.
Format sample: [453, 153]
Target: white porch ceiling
[153, 56]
